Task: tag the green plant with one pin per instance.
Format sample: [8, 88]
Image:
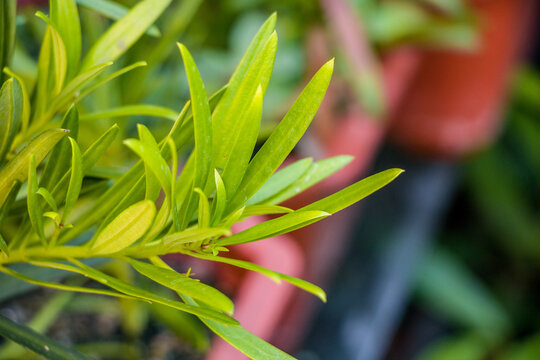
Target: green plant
[56, 213]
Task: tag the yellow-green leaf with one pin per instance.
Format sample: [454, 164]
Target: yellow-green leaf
[75, 181]
[284, 137]
[17, 168]
[354, 193]
[253, 210]
[124, 32]
[114, 11]
[25, 116]
[274, 227]
[317, 172]
[132, 110]
[128, 227]
[274, 275]
[220, 199]
[204, 209]
[142, 294]
[280, 180]
[175, 242]
[65, 18]
[35, 210]
[11, 111]
[58, 160]
[185, 285]
[201, 119]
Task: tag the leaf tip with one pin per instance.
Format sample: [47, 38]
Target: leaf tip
[181, 47]
[397, 172]
[324, 214]
[330, 63]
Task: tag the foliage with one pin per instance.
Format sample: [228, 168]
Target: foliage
[58, 211]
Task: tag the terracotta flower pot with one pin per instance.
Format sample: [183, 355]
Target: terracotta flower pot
[453, 107]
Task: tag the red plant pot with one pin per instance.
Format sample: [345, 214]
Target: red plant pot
[453, 107]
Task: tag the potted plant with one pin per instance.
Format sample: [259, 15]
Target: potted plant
[62, 218]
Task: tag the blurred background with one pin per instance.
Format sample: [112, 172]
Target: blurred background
[444, 263]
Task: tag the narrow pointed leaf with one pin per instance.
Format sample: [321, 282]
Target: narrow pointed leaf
[46, 195]
[317, 172]
[110, 77]
[38, 343]
[58, 161]
[149, 152]
[255, 47]
[25, 115]
[35, 210]
[75, 180]
[185, 285]
[274, 227]
[237, 147]
[132, 110]
[65, 18]
[131, 290]
[42, 93]
[174, 174]
[17, 168]
[204, 209]
[201, 119]
[274, 275]
[233, 218]
[236, 123]
[124, 32]
[253, 210]
[98, 148]
[281, 180]
[220, 199]
[89, 158]
[57, 286]
[152, 155]
[114, 11]
[284, 137]
[72, 89]
[184, 193]
[8, 16]
[356, 192]
[153, 188]
[247, 343]
[160, 222]
[125, 229]
[11, 114]
[175, 242]
[52, 67]
[59, 62]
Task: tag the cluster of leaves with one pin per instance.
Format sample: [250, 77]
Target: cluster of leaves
[55, 213]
